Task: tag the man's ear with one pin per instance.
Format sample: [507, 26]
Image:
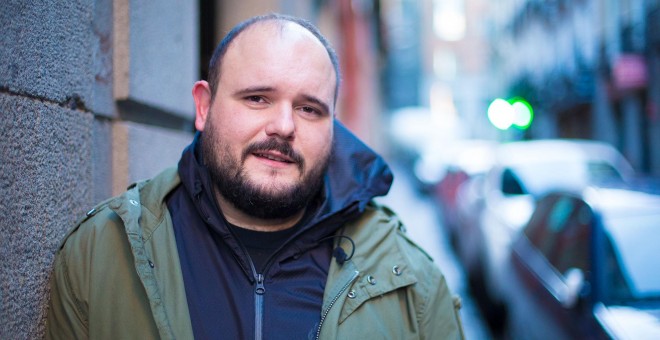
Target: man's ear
[201, 92]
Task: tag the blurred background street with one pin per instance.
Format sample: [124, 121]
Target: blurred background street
[524, 136]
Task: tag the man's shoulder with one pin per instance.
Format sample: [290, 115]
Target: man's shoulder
[92, 227]
[381, 220]
[105, 222]
[379, 230]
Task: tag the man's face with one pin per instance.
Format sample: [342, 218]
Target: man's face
[268, 135]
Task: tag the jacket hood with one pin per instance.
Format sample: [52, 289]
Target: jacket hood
[356, 174]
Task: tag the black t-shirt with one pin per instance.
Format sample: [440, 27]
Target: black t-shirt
[260, 245]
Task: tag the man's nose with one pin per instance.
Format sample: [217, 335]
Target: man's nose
[281, 122]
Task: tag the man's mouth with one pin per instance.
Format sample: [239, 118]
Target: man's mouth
[278, 152]
[274, 156]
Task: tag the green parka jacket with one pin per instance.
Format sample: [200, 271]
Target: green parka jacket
[117, 276]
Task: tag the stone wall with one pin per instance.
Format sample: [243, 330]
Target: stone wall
[94, 94]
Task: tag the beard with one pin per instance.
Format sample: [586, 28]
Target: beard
[266, 201]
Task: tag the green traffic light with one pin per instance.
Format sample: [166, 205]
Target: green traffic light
[500, 114]
[523, 113]
[516, 112]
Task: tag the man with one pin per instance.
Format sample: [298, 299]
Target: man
[266, 229]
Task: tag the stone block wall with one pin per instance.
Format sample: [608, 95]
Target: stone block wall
[94, 94]
[45, 178]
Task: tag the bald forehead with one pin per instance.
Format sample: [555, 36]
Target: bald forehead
[274, 32]
[284, 30]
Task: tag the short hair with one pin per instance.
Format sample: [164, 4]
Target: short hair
[221, 49]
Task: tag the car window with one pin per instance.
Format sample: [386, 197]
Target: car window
[560, 229]
[536, 228]
[543, 233]
[511, 184]
[601, 172]
[560, 213]
[573, 240]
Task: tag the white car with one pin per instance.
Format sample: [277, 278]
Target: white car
[522, 172]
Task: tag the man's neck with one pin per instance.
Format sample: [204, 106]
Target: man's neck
[239, 218]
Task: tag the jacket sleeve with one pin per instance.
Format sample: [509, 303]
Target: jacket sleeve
[440, 318]
[66, 317]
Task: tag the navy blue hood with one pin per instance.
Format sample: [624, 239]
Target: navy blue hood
[355, 175]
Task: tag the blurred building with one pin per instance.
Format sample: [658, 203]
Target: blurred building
[590, 69]
[459, 78]
[96, 94]
[436, 78]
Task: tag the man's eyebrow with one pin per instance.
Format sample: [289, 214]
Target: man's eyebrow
[253, 89]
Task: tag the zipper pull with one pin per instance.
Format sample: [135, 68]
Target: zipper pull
[260, 285]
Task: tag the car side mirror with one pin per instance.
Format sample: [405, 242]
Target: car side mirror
[574, 285]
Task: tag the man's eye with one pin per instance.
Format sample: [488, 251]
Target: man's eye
[256, 99]
[309, 109]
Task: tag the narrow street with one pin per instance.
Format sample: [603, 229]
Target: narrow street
[422, 221]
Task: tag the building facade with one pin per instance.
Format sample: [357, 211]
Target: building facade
[590, 68]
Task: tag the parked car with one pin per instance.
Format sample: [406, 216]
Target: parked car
[496, 206]
[469, 204]
[586, 267]
[468, 158]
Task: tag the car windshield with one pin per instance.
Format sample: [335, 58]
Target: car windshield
[634, 248]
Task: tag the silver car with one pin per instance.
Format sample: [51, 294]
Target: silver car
[500, 203]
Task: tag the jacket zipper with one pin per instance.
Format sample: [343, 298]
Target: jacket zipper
[259, 307]
[259, 289]
[332, 302]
